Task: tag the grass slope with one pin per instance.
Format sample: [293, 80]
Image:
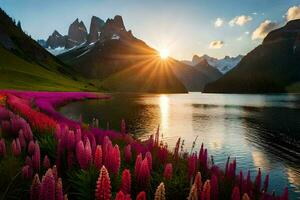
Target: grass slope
[17, 73]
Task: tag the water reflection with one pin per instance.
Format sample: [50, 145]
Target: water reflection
[259, 131]
[164, 113]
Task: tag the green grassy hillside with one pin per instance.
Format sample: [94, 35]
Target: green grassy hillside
[16, 73]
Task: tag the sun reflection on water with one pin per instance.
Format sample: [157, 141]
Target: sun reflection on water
[164, 110]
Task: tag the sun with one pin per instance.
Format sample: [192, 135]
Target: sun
[164, 53]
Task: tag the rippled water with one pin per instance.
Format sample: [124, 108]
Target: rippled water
[260, 131]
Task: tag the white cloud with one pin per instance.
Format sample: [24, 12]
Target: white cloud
[239, 38]
[217, 44]
[219, 22]
[293, 13]
[240, 20]
[263, 29]
[247, 32]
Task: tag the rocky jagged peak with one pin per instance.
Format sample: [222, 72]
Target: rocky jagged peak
[115, 29]
[55, 40]
[77, 34]
[56, 34]
[95, 29]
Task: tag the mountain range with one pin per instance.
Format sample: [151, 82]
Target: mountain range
[118, 61]
[24, 64]
[272, 67]
[223, 65]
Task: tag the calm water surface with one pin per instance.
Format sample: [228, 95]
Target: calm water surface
[260, 131]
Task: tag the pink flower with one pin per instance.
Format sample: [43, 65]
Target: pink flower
[205, 194]
[126, 182]
[46, 162]
[214, 188]
[31, 147]
[98, 157]
[266, 183]
[168, 171]
[36, 157]
[236, 194]
[127, 153]
[35, 188]
[121, 196]
[141, 196]
[47, 191]
[88, 151]
[143, 177]
[27, 172]
[22, 139]
[80, 154]
[258, 181]
[285, 195]
[71, 141]
[192, 164]
[59, 190]
[138, 163]
[16, 147]
[176, 150]
[149, 158]
[103, 187]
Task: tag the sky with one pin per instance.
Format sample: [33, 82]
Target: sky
[184, 27]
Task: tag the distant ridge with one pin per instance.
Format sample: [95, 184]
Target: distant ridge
[272, 67]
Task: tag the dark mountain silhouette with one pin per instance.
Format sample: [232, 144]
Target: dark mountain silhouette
[273, 66]
[125, 63]
[95, 29]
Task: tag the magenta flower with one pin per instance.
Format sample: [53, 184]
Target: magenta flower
[59, 195]
[235, 194]
[103, 187]
[35, 188]
[192, 165]
[22, 139]
[71, 141]
[214, 188]
[88, 151]
[127, 153]
[168, 171]
[138, 163]
[47, 191]
[258, 180]
[80, 155]
[143, 177]
[98, 157]
[27, 172]
[126, 182]
[31, 147]
[16, 147]
[149, 158]
[266, 183]
[176, 150]
[36, 157]
[141, 196]
[46, 162]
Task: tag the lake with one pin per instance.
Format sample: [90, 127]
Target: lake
[260, 131]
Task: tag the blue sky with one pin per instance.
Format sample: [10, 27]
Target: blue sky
[185, 27]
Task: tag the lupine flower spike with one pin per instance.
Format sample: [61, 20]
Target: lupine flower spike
[103, 187]
[160, 192]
